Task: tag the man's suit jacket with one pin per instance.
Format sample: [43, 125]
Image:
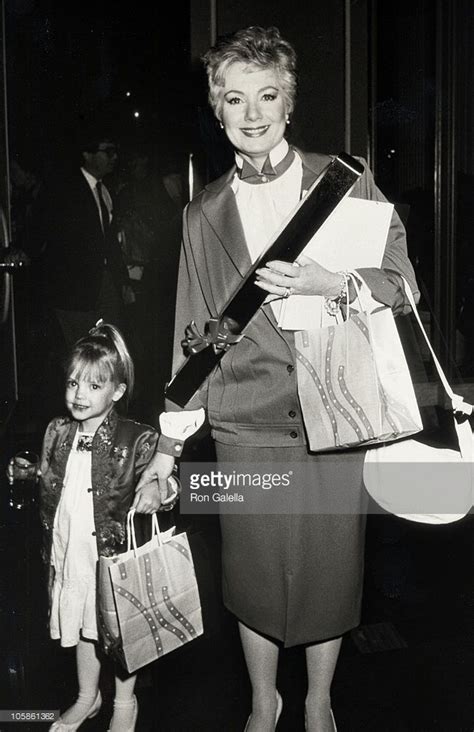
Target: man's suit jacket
[73, 246]
[251, 398]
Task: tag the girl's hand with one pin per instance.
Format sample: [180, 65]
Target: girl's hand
[10, 471]
[153, 484]
[306, 278]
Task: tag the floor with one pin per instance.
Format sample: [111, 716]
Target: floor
[408, 668]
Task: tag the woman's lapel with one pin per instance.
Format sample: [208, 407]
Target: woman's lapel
[220, 209]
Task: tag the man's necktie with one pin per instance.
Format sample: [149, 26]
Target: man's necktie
[104, 211]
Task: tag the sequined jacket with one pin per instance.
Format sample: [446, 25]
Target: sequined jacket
[121, 449]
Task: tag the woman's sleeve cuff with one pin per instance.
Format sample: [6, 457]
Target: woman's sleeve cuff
[176, 427]
[170, 446]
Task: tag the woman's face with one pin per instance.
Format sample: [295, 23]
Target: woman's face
[253, 110]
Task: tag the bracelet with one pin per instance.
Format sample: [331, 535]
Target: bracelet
[333, 304]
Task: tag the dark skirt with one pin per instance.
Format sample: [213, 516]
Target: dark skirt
[298, 577]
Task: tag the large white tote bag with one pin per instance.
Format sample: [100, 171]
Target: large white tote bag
[422, 482]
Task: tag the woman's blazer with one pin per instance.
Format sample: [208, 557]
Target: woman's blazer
[254, 387]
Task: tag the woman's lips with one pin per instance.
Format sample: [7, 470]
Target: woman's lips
[254, 131]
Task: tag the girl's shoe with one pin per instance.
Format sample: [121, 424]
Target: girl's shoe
[125, 716]
[277, 713]
[90, 710]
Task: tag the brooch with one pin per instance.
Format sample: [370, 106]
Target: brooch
[84, 443]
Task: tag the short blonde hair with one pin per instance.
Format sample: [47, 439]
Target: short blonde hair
[260, 47]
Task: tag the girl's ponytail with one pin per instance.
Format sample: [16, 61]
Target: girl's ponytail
[125, 372]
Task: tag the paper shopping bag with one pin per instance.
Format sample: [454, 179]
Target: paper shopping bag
[156, 606]
[354, 384]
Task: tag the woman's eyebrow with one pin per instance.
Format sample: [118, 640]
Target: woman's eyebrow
[259, 91]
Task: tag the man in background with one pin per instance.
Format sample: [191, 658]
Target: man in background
[83, 275]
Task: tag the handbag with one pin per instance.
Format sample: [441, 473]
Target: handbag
[149, 601]
[353, 380]
[423, 482]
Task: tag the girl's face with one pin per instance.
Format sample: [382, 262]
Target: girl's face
[90, 399]
[253, 111]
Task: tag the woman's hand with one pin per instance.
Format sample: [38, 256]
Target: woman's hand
[149, 498]
[306, 278]
[153, 488]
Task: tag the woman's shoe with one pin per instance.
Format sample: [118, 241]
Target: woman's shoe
[89, 711]
[277, 713]
[131, 708]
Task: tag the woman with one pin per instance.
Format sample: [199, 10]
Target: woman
[290, 579]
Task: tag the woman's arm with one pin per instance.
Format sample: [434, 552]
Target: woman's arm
[385, 283]
[176, 427]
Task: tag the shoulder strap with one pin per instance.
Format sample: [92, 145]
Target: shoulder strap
[463, 429]
[459, 405]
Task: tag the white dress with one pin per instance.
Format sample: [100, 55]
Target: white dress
[74, 551]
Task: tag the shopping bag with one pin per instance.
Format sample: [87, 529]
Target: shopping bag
[423, 482]
[149, 601]
[353, 381]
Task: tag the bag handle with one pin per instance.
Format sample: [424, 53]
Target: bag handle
[463, 431]
[132, 539]
[459, 405]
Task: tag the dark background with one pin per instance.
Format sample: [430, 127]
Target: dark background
[411, 110]
[70, 63]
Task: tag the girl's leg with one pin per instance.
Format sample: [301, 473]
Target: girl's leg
[125, 705]
[321, 659]
[261, 656]
[88, 671]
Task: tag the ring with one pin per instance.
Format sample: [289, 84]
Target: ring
[288, 292]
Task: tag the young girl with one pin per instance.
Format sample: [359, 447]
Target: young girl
[90, 465]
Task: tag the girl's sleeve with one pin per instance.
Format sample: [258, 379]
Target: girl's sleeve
[146, 446]
[47, 446]
[46, 513]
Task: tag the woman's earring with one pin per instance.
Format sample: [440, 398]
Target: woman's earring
[287, 119]
[221, 125]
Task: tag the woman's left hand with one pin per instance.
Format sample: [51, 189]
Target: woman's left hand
[305, 278]
[149, 498]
